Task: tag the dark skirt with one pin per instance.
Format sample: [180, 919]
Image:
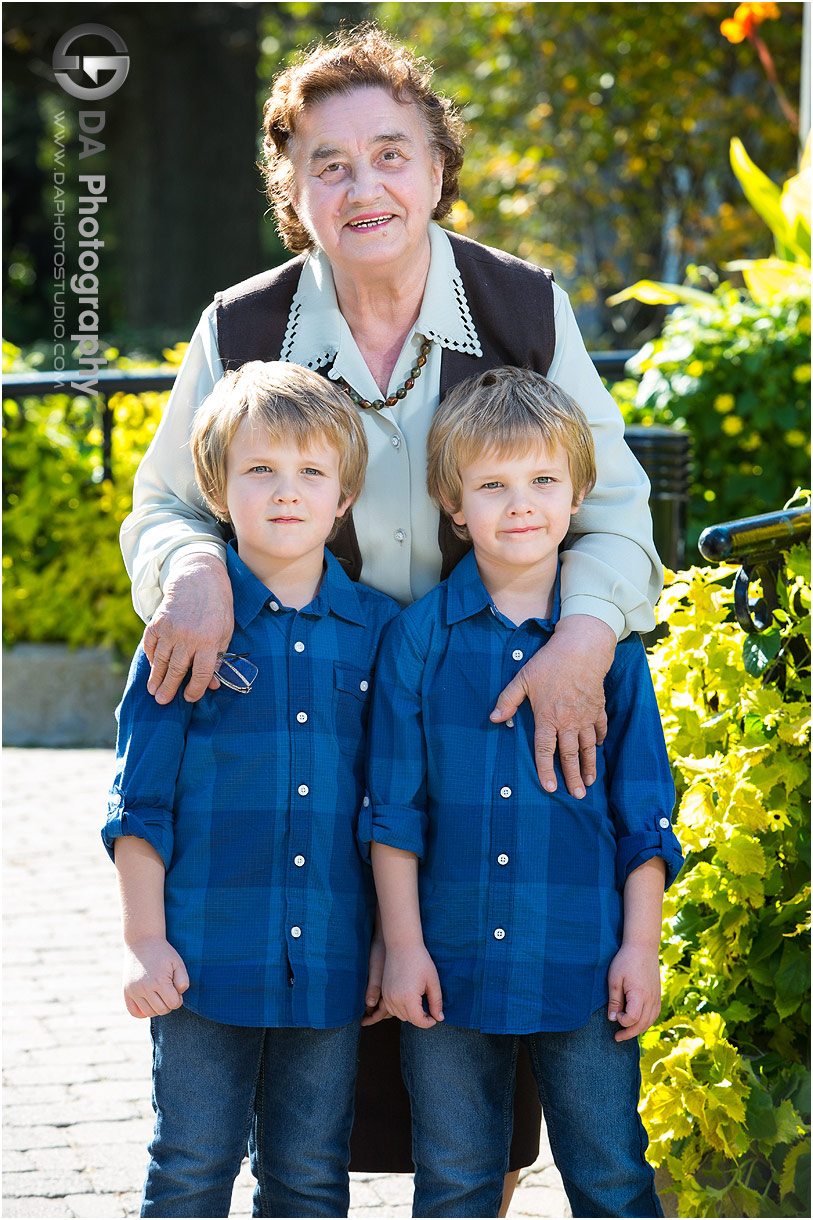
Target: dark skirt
[382, 1132]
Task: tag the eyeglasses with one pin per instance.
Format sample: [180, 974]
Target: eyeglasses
[242, 672]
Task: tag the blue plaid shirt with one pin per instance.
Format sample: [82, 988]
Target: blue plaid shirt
[252, 802]
[520, 890]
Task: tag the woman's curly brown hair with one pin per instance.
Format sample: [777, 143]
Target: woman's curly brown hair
[360, 58]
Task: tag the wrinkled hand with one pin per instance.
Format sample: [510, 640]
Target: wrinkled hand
[409, 975]
[191, 626]
[376, 1009]
[564, 682]
[635, 990]
[154, 978]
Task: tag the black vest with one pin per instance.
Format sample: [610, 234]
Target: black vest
[511, 303]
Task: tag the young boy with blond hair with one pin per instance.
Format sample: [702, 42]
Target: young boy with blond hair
[247, 910]
[519, 915]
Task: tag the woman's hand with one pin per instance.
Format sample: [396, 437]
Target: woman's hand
[191, 626]
[565, 684]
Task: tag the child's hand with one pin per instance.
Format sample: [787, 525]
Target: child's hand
[154, 977]
[376, 1008]
[409, 975]
[635, 990]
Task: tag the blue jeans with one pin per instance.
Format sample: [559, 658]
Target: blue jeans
[287, 1093]
[461, 1085]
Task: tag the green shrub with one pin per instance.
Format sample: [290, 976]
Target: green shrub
[63, 575]
[736, 374]
[727, 1102]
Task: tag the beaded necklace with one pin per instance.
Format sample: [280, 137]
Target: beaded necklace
[414, 374]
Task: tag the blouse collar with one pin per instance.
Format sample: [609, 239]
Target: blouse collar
[316, 328]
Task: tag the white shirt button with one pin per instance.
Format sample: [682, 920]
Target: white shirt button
[509, 724]
[302, 717]
[505, 792]
[303, 789]
[502, 858]
[499, 933]
[517, 654]
[273, 605]
[364, 684]
[299, 861]
[395, 441]
[664, 822]
[299, 646]
[296, 932]
[366, 802]
[115, 798]
[400, 535]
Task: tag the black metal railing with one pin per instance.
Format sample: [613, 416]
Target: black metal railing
[759, 544]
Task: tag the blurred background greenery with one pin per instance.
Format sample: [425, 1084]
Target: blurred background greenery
[598, 146]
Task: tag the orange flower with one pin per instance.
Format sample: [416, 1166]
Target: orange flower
[745, 20]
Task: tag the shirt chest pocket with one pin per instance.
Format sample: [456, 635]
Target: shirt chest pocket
[351, 704]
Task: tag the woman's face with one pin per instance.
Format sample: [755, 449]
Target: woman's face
[365, 181]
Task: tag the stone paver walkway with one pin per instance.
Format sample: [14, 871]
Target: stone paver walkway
[76, 1069]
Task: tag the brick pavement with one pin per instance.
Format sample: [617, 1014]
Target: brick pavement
[76, 1066]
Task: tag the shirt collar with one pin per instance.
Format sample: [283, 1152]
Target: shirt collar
[466, 595]
[444, 315]
[337, 593]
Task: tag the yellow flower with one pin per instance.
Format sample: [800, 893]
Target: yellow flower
[724, 403]
[801, 373]
[695, 369]
[795, 438]
[732, 425]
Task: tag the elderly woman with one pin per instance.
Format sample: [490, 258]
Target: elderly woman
[361, 161]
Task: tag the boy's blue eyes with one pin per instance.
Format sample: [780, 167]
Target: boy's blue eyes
[269, 470]
[542, 480]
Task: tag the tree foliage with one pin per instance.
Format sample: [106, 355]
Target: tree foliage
[598, 135]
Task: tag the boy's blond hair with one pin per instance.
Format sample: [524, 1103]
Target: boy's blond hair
[504, 411]
[288, 403]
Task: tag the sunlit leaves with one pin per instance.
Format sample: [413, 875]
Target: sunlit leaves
[726, 1103]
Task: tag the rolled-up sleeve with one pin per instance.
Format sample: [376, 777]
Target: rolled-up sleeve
[149, 750]
[396, 744]
[169, 516]
[641, 790]
[610, 569]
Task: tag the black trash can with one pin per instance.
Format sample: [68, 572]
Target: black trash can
[665, 454]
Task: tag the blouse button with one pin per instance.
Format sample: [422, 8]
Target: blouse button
[664, 822]
[400, 535]
[302, 717]
[303, 789]
[115, 799]
[299, 861]
[366, 802]
[273, 605]
[517, 654]
[509, 724]
[505, 792]
[296, 932]
[299, 646]
[502, 858]
[364, 684]
[499, 933]
[395, 441]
